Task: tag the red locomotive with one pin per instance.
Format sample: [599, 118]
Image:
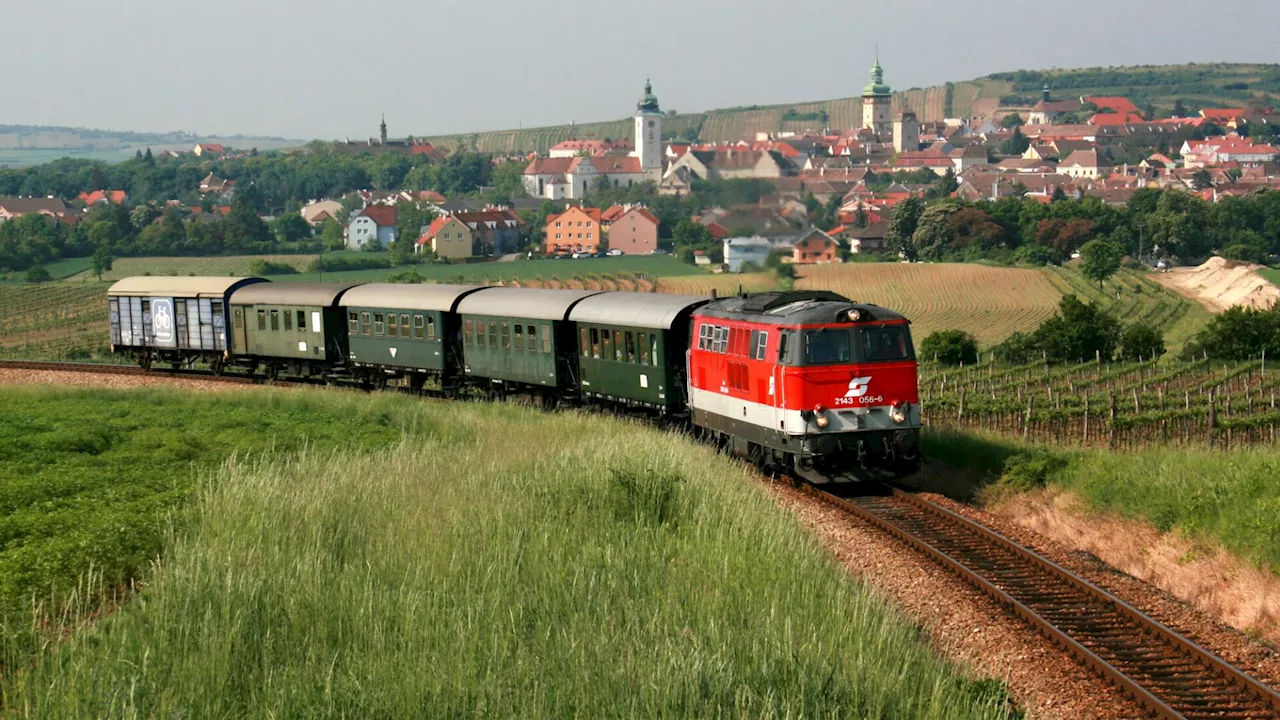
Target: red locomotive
[809, 383]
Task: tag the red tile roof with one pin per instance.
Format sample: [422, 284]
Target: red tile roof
[383, 215]
[1119, 105]
[433, 229]
[117, 197]
[1106, 119]
[1222, 115]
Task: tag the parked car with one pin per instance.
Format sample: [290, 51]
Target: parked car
[614, 253]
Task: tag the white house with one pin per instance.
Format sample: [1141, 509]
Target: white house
[741, 250]
[376, 223]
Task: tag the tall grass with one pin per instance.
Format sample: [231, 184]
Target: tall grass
[496, 561]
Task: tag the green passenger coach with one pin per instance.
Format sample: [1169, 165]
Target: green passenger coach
[521, 336]
[407, 331]
[291, 327]
[631, 348]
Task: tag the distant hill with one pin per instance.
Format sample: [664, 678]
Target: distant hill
[1197, 85]
[22, 145]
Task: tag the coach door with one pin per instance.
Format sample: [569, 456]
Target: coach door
[239, 333]
[777, 351]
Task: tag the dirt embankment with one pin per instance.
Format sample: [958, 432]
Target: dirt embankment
[1219, 284]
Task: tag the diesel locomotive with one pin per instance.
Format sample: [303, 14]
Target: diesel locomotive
[804, 383]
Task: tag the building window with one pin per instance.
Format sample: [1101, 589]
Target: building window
[557, 223]
[588, 223]
[275, 320]
[588, 236]
[377, 324]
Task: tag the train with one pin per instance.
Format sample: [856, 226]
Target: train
[804, 383]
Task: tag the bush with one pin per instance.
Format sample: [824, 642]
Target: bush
[1030, 470]
[1037, 255]
[266, 267]
[1017, 349]
[408, 277]
[1141, 342]
[38, 274]
[950, 347]
[1239, 333]
[338, 264]
[1080, 331]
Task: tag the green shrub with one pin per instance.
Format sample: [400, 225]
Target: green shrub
[263, 268]
[1141, 342]
[949, 347]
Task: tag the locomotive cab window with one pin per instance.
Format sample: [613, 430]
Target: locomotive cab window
[885, 344]
[759, 341]
[827, 346]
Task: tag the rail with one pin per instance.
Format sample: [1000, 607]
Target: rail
[1164, 671]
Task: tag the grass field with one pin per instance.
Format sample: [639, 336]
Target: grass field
[989, 302]
[221, 265]
[493, 272]
[58, 270]
[637, 574]
[61, 320]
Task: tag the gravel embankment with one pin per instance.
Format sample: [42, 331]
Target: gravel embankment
[88, 379]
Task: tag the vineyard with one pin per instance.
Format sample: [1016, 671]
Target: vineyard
[223, 265]
[986, 301]
[1132, 298]
[1123, 405]
[54, 320]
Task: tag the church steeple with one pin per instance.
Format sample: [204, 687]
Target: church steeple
[648, 102]
[877, 86]
[383, 129]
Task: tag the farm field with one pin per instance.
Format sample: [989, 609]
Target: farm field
[219, 265]
[545, 578]
[58, 270]
[61, 320]
[519, 270]
[988, 302]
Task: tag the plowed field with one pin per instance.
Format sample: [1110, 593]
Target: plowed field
[988, 302]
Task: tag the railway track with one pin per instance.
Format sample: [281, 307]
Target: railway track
[103, 369]
[1167, 673]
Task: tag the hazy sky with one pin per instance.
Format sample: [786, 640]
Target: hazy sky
[321, 68]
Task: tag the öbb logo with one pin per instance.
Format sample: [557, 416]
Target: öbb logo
[857, 394]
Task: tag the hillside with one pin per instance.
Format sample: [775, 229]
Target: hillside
[1197, 85]
[22, 145]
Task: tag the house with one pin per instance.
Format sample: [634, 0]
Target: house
[1041, 152]
[315, 213]
[867, 239]
[495, 231]
[1116, 119]
[815, 247]
[1225, 149]
[557, 178]
[1226, 117]
[1082, 164]
[115, 197]
[213, 184]
[1116, 105]
[931, 159]
[447, 237]
[577, 229]
[732, 163]
[967, 157]
[376, 224]
[208, 150]
[1048, 112]
[739, 251]
[634, 231]
[15, 207]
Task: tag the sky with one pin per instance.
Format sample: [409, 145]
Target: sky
[328, 69]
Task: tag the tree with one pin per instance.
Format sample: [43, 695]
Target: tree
[1058, 194]
[1079, 331]
[38, 274]
[1010, 121]
[291, 228]
[1016, 144]
[100, 262]
[950, 347]
[1238, 333]
[688, 232]
[1032, 254]
[902, 227]
[1100, 259]
[1179, 110]
[1202, 180]
[1141, 342]
[932, 237]
[689, 134]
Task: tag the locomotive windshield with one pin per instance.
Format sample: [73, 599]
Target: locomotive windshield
[843, 345]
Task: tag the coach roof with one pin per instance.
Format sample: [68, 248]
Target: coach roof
[290, 294]
[408, 297]
[147, 286]
[647, 310]
[523, 302]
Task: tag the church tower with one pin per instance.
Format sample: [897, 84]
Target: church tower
[649, 134]
[877, 102]
[383, 127]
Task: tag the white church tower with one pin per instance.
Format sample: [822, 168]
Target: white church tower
[649, 135]
[877, 100]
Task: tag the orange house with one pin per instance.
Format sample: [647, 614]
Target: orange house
[815, 247]
[577, 229]
[634, 232]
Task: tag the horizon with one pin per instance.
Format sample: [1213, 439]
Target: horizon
[502, 84]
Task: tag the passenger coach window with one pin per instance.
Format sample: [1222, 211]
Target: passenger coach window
[506, 337]
[391, 325]
[239, 320]
[606, 336]
[519, 330]
[404, 325]
[275, 319]
[546, 339]
[377, 323]
[584, 341]
[288, 320]
[467, 336]
[493, 334]
[595, 343]
[631, 347]
[353, 323]
[302, 321]
[418, 327]
[532, 333]
[364, 321]
[653, 349]
[262, 319]
[643, 339]
[885, 344]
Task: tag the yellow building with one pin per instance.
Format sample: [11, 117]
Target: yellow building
[448, 237]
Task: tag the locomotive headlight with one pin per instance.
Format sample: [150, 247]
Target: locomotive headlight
[853, 315]
[898, 412]
[820, 416]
